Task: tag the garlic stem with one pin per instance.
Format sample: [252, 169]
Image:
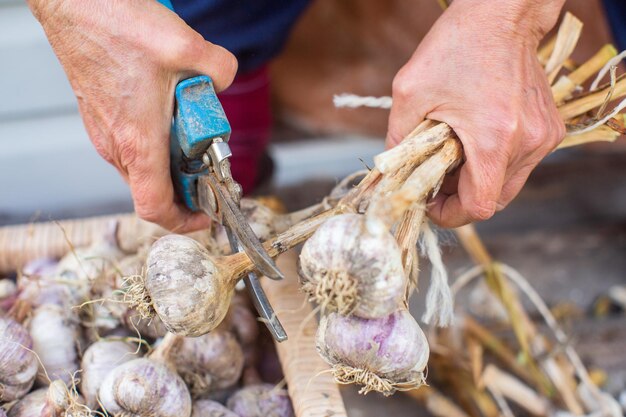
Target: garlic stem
[164, 349]
[426, 137]
[566, 85]
[420, 184]
[583, 104]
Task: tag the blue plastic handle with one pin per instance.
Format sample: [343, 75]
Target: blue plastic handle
[198, 119]
[167, 3]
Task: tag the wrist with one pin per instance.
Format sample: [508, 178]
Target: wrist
[528, 19]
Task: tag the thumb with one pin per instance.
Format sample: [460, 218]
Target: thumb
[216, 62]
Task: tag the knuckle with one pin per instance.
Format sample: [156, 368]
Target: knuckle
[226, 66]
[403, 85]
[182, 47]
[127, 153]
[481, 210]
[538, 137]
[560, 132]
[145, 211]
[507, 127]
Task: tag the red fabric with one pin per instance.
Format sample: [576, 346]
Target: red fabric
[247, 106]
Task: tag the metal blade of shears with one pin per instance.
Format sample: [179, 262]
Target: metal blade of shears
[259, 299]
[233, 219]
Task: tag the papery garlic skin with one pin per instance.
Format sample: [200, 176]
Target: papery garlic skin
[185, 286]
[31, 405]
[8, 294]
[261, 400]
[210, 362]
[91, 262]
[99, 359]
[384, 355]
[55, 335]
[18, 364]
[243, 322]
[7, 288]
[39, 284]
[348, 268]
[152, 328]
[208, 408]
[144, 387]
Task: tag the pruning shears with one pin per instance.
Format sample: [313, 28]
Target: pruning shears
[200, 166]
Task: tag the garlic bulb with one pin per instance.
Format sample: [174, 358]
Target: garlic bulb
[88, 264]
[145, 387]
[187, 289]
[31, 405]
[261, 400]
[348, 268]
[190, 289]
[38, 284]
[55, 336]
[7, 288]
[2, 412]
[241, 321]
[99, 359]
[55, 401]
[384, 355]
[18, 364]
[152, 328]
[208, 408]
[209, 362]
[8, 294]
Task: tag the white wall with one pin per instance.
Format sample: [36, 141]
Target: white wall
[47, 162]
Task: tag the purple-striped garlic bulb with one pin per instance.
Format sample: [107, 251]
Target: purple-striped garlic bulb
[54, 401]
[350, 268]
[147, 386]
[99, 359]
[261, 400]
[384, 355]
[18, 364]
[209, 362]
[55, 334]
[208, 408]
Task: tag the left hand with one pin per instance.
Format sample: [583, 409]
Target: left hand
[477, 71]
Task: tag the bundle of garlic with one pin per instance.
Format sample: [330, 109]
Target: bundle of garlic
[354, 267]
[42, 338]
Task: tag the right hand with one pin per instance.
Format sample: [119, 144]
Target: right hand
[123, 60]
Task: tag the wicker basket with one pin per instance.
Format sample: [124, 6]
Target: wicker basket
[313, 391]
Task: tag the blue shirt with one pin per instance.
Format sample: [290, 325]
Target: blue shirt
[253, 30]
[616, 13]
